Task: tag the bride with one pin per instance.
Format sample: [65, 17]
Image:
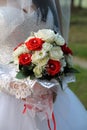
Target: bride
[17, 19]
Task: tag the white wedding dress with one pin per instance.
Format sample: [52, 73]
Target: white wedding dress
[70, 114]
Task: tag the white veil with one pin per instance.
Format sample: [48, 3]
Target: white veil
[19, 15]
[65, 12]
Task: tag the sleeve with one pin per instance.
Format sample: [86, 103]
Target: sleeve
[12, 85]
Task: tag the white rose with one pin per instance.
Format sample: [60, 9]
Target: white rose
[21, 49]
[38, 55]
[37, 71]
[56, 53]
[59, 39]
[45, 34]
[47, 46]
[43, 61]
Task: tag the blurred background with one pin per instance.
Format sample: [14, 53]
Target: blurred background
[78, 43]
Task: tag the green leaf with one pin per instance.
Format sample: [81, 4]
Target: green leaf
[21, 75]
[30, 67]
[32, 77]
[70, 70]
[20, 67]
[74, 70]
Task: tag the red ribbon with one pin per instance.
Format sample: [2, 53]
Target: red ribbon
[27, 106]
[54, 122]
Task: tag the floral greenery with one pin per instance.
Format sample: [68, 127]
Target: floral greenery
[44, 55]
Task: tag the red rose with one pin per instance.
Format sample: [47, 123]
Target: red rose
[66, 49]
[25, 59]
[18, 46]
[53, 67]
[34, 44]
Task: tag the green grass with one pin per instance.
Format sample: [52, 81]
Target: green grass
[78, 16]
[79, 50]
[78, 33]
[78, 43]
[80, 86]
[78, 27]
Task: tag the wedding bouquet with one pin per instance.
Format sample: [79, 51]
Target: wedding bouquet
[44, 55]
[46, 59]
